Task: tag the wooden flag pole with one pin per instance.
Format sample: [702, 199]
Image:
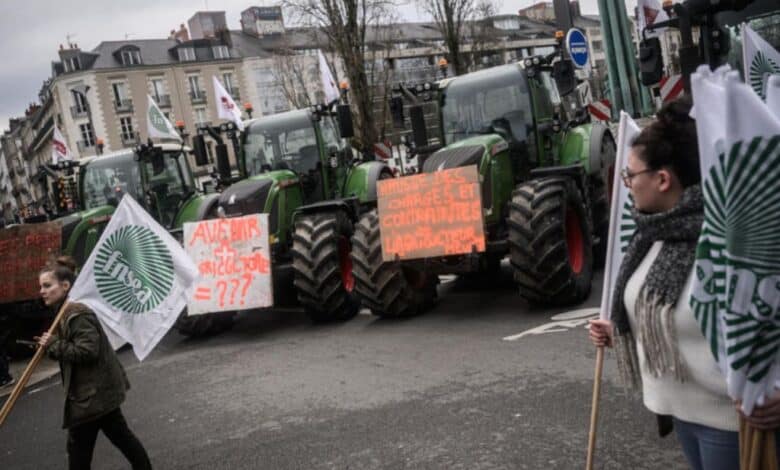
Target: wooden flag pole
[594, 407]
[17, 391]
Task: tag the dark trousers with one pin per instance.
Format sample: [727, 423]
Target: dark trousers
[81, 442]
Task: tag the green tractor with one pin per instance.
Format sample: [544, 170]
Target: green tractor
[543, 179]
[297, 167]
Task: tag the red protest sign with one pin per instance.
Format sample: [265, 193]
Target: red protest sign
[233, 260]
[431, 214]
[25, 249]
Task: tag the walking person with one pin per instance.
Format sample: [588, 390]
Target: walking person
[92, 376]
[657, 339]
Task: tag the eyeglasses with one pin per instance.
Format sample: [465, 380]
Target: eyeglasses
[628, 176]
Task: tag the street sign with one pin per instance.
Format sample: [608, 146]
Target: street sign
[577, 46]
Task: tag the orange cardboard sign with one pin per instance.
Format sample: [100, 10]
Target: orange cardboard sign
[431, 214]
[25, 249]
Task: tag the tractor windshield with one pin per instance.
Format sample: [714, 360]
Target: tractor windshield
[107, 179]
[282, 141]
[473, 104]
[169, 186]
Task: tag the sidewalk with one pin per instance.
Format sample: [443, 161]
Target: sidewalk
[46, 368]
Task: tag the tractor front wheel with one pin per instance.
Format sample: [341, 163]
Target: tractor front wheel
[322, 264]
[550, 242]
[387, 289]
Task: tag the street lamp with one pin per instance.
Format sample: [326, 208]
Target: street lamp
[82, 90]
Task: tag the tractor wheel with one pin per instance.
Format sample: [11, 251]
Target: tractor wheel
[388, 289]
[550, 242]
[600, 199]
[208, 324]
[323, 266]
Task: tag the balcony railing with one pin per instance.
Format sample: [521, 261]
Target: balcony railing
[83, 145]
[163, 101]
[78, 112]
[124, 106]
[235, 94]
[198, 97]
[129, 140]
[199, 125]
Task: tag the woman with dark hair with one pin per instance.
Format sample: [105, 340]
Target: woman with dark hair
[92, 376]
[658, 342]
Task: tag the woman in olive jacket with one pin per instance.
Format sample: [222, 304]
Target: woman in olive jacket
[92, 376]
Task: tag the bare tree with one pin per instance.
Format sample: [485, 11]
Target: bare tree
[344, 25]
[290, 70]
[450, 17]
[481, 37]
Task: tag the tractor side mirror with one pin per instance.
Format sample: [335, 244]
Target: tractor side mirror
[397, 111]
[344, 115]
[158, 160]
[419, 132]
[223, 162]
[563, 74]
[651, 62]
[199, 150]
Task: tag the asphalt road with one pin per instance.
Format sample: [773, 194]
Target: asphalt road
[466, 386]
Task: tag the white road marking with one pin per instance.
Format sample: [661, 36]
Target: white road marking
[560, 323]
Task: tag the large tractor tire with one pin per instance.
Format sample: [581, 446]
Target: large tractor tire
[322, 264]
[201, 326]
[387, 289]
[550, 242]
[600, 197]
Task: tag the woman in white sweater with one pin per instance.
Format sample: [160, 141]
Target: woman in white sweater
[657, 339]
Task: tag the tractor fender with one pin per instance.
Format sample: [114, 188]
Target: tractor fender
[597, 132]
[361, 182]
[209, 203]
[350, 206]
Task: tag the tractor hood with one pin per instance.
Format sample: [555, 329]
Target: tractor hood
[246, 197]
[464, 153]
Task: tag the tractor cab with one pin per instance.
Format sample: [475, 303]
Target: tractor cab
[298, 141]
[158, 177]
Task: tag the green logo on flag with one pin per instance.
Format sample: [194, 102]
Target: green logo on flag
[158, 120]
[134, 269]
[761, 67]
[627, 224]
[738, 286]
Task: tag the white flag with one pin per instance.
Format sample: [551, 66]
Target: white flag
[621, 220]
[157, 125]
[59, 149]
[760, 60]
[649, 12]
[137, 279]
[226, 107]
[735, 297]
[329, 86]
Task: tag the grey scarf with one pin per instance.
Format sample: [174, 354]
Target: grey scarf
[679, 229]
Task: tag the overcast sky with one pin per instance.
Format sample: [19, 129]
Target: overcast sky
[33, 29]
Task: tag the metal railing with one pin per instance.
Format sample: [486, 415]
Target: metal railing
[125, 105]
[128, 140]
[78, 112]
[163, 101]
[82, 145]
[235, 94]
[198, 96]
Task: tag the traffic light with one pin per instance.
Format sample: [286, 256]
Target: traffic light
[651, 62]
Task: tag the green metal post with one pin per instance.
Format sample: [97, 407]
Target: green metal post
[609, 49]
[622, 67]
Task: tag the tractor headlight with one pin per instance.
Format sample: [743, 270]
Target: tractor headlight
[537, 61]
[528, 63]
[427, 86]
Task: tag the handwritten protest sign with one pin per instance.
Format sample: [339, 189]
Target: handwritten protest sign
[25, 249]
[431, 214]
[233, 260]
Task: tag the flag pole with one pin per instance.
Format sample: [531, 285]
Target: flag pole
[17, 391]
[594, 407]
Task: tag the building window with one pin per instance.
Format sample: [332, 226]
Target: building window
[79, 102]
[186, 54]
[87, 136]
[227, 79]
[119, 92]
[221, 52]
[597, 47]
[200, 116]
[126, 126]
[158, 89]
[131, 57]
[72, 64]
[194, 83]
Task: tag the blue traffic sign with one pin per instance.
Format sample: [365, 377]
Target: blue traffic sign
[577, 46]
